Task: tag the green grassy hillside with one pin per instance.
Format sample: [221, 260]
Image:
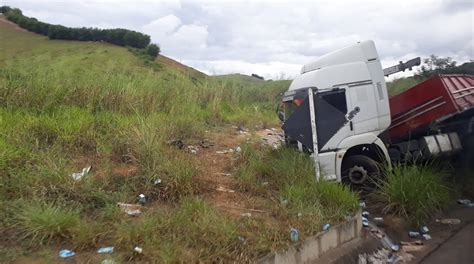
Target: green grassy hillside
[65, 105]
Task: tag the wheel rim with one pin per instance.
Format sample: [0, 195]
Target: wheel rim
[358, 174]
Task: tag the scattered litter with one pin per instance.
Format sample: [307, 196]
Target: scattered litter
[264, 183]
[78, 175]
[242, 239]
[178, 143]
[130, 209]
[362, 205]
[142, 199]
[205, 143]
[139, 250]
[66, 253]
[378, 219]
[464, 201]
[284, 202]
[426, 236]
[193, 149]
[224, 174]
[157, 181]
[231, 150]
[365, 222]
[105, 250]
[222, 189]
[246, 214]
[221, 152]
[392, 258]
[108, 261]
[326, 227]
[449, 221]
[424, 229]
[412, 248]
[389, 244]
[294, 235]
[413, 234]
[365, 214]
[238, 149]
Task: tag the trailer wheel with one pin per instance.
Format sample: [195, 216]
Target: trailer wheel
[360, 170]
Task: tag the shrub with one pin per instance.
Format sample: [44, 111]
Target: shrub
[415, 192]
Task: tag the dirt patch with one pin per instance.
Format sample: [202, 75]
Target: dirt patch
[3, 19]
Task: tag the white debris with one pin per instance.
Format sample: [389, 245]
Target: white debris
[78, 175]
[130, 209]
[222, 189]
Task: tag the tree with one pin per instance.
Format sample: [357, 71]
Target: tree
[435, 65]
[153, 50]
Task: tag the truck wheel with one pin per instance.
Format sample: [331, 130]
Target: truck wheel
[360, 170]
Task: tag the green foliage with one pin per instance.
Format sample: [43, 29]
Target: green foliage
[118, 36]
[43, 222]
[415, 192]
[289, 176]
[153, 50]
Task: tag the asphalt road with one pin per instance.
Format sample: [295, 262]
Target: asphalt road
[458, 249]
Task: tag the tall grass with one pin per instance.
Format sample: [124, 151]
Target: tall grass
[415, 192]
[287, 176]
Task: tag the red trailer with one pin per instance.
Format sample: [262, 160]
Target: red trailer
[433, 105]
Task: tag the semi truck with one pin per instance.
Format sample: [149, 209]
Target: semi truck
[338, 110]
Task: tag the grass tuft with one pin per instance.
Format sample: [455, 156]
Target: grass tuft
[415, 192]
[43, 222]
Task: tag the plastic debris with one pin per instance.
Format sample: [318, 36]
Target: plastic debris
[264, 183]
[141, 199]
[449, 221]
[105, 250]
[362, 205]
[413, 234]
[139, 250]
[193, 149]
[464, 201]
[365, 214]
[424, 229]
[246, 214]
[108, 261]
[294, 235]
[238, 149]
[389, 244]
[178, 143]
[426, 236]
[205, 143]
[326, 227]
[130, 209]
[78, 175]
[242, 239]
[66, 253]
[157, 181]
[222, 189]
[378, 219]
[300, 214]
[392, 258]
[365, 222]
[284, 202]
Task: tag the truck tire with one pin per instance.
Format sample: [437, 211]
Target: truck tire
[360, 170]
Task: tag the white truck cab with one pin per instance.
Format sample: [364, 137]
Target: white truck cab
[351, 107]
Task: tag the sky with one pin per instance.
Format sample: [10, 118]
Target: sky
[275, 38]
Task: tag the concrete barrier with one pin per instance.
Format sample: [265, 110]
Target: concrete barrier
[314, 247]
